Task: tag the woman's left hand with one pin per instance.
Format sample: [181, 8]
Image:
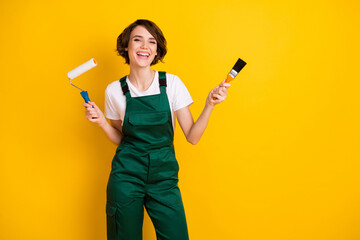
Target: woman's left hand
[218, 94]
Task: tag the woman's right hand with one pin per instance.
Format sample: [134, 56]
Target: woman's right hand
[94, 114]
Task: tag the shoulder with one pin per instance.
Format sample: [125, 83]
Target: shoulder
[113, 87]
[171, 76]
[175, 86]
[172, 79]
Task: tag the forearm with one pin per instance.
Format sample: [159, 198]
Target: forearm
[198, 128]
[112, 133]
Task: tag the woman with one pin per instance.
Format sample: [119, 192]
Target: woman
[142, 108]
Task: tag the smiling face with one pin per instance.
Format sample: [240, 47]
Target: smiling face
[142, 47]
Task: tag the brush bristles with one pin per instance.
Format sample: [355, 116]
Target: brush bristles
[239, 65]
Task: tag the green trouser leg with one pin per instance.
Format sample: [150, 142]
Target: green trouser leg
[126, 222]
[169, 221]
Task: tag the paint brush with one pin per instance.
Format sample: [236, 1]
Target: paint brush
[235, 70]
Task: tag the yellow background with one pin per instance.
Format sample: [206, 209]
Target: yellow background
[279, 159]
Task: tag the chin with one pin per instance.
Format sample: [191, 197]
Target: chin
[144, 64]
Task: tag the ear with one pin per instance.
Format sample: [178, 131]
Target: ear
[126, 49]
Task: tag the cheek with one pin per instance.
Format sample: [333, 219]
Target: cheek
[154, 50]
[132, 45]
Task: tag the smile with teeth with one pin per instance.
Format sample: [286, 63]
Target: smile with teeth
[143, 54]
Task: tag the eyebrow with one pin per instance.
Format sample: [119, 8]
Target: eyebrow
[142, 37]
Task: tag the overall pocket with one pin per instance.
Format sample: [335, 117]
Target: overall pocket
[148, 118]
[111, 221]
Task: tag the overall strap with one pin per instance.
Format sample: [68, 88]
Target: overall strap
[125, 87]
[162, 81]
[162, 84]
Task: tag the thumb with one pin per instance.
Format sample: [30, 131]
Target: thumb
[97, 109]
[221, 83]
[94, 105]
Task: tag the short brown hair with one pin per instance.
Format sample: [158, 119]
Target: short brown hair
[124, 38]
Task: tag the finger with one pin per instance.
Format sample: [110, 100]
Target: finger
[222, 88]
[91, 109]
[219, 97]
[86, 105]
[91, 104]
[212, 97]
[223, 82]
[96, 107]
[224, 91]
[94, 120]
[89, 115]
[226, 85]
[94, 114]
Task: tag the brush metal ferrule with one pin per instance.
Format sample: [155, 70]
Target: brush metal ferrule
[233, 73]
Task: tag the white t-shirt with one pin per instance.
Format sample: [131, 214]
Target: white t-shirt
[115, 100]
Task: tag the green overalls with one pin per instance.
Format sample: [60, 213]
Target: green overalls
[144, 171]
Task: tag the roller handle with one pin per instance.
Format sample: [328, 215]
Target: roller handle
[85, 96]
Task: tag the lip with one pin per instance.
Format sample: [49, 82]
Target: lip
[143, 53]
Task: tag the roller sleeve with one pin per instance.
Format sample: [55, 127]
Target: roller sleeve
[82, 68]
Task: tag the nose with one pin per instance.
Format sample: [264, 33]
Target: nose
[144, 44]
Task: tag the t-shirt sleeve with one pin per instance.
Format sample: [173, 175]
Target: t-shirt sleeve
[110, 108]
[182, 97]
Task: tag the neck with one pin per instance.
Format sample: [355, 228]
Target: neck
[141, 78]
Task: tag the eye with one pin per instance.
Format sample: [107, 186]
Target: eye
[153, 42]
[136, 39]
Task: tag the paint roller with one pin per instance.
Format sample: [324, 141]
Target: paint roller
[80, 70]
